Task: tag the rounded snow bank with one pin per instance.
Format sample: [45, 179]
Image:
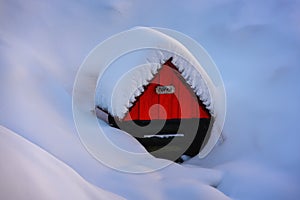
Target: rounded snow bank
[86, 95]
[29, 172]
[128, 81]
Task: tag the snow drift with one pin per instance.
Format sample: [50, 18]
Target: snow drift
[255, 44]
[28, 172]
[117, 92]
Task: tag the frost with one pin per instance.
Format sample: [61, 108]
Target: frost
[132, 84]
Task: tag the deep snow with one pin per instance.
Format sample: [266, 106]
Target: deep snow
[255, 44]
[28, 172]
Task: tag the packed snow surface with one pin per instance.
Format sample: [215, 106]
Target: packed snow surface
[256, 46]
[29, 172]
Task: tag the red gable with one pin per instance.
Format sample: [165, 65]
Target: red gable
[167, 96]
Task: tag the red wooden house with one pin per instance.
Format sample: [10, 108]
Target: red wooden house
[167, 109]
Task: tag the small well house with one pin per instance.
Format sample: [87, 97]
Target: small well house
[169, 114]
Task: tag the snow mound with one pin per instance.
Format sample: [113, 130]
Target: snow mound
[116, 92]
[256, 45]
[130, 86]
[118, 100]
[126, 87]
[32, 173]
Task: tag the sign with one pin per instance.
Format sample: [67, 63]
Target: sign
[168, 89]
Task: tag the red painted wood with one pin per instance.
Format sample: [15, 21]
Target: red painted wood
[134, 112]
[183, 104]
[148, 100]
[203, 111]
[168, 102]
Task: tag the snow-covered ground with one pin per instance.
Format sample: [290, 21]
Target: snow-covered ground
[28, 172]
[256, 46]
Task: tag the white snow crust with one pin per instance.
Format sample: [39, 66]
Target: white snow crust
[117, 92]
[131, 85]
[29, 172]
[256, 46]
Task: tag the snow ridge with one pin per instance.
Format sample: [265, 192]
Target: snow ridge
[132, 84]
[191, 76]
[129, 87]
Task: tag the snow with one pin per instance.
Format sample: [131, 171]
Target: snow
[28, 172]
[282, 185]
[120, 95]
[117, 99]
[36, 174]
[255, 44]
[117, 92]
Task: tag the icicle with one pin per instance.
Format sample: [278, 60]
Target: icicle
[134, 87]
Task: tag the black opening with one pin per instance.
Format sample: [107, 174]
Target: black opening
[175, 137]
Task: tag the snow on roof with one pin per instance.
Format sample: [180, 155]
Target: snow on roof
[118, 86]
[118, 100]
